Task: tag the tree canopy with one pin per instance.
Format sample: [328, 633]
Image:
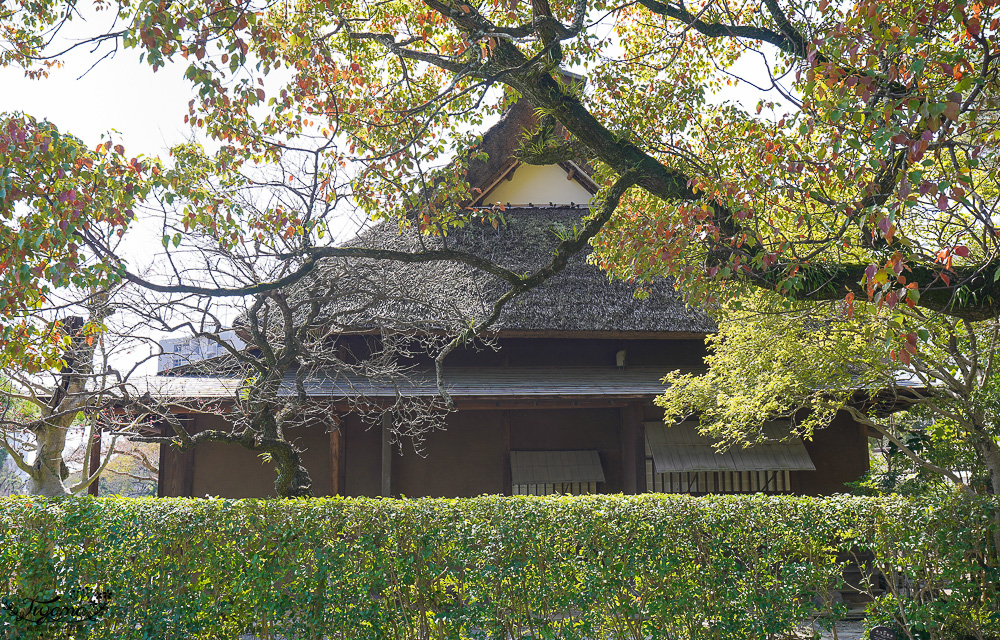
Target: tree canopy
[865, 170]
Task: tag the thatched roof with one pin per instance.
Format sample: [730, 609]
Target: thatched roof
[579, 300]
[448, 295]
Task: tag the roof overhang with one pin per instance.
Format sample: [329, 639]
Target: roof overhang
[681, 448]
[483, 383]
[553, 467]
[600, 335]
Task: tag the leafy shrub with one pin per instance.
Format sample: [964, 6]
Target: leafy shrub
[651, 566]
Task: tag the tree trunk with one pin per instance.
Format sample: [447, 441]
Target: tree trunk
[990, 455]
[299, 485]
[991, 460]
[49, 471]
[293, 479]
[67, 400]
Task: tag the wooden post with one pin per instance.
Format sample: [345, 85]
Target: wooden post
[508, 487]
[633, 449]
[176, 469]
[640, 446]
[95, 462]
[386, 455]
[336, 444]
[342, 466]
[629, 462]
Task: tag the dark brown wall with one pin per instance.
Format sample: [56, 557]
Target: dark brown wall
[469, 457]
[465, 460]
[230, 471]
[573, 429]
[840, 453]
[363, 456]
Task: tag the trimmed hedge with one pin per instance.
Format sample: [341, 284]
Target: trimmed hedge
[649, 566]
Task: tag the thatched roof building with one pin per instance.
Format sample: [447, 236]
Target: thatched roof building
[565, 403]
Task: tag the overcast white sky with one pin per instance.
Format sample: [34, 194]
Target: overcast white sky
[118, 93]
[121, 97]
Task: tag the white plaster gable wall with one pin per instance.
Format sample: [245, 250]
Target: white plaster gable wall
[538, 185]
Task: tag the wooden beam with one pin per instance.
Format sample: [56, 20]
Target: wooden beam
[161, 469]
[481, 404]
[95, 462]
[507, 172]
[473, 403]
[558, 333]
[336, 443]
[573, 170]
[386, 454]
[601, 335]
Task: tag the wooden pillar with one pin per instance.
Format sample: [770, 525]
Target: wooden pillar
[633, 449]
[95, 462]
[508, 487]
[629, 461]
[386, 454]
[336, 447]
[176, 472]
[176, 476]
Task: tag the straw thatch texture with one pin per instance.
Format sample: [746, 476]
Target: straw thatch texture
[447, 294]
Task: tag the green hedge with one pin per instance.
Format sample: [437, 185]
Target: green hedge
[586, 567]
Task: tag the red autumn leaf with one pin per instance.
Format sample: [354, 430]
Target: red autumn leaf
[962, 250]
[951, 111]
